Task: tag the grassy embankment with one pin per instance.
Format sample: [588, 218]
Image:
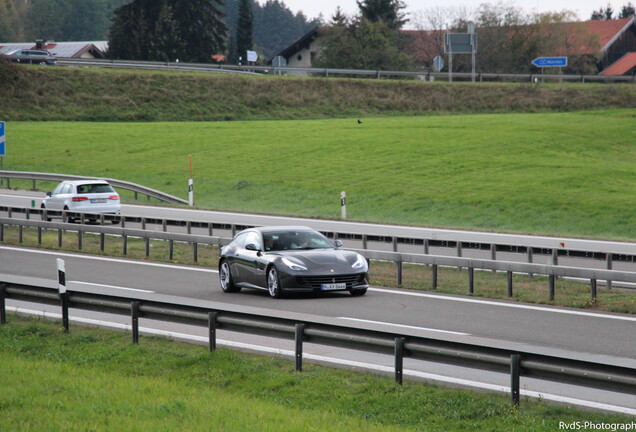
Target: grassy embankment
[94, 379]
[76, 94]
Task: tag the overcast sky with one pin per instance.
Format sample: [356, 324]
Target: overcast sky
[584, 8]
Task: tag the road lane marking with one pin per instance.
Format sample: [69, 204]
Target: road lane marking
[405, 326]
[334, 361]
[115, 260]
[502, 304]
[111, 286]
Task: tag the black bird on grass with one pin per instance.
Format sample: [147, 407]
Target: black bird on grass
[359, 122]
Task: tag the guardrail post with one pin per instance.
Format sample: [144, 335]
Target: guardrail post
[164, 225]
[233, 230]
[3, 306]
[20, 233]
[64, 217]
[530, 259]
[426, 246]
[8, 184]
[143, 223]
[9, 212]
[493, 254]
[210, 229]
[39, 235]
[1, 232]
[82, 218]
[33, 185]
[610, 258]
[395, 245]
[459, 253]
[27, 213]
[399, 359]
[593, 290]
[79, 238]
[170, 249]
[147, 247]
[135, 195]
[300, 331]
[471, 280]
[434, 283]
[189, 227]
[399, 272]
[552, 280]
[555, 257]
[124, 246]
[509, 274]
[212, 330]
[59, 237]
[134, 312]
[515, 374]
[364, 241]
[102, 240]
[195, 251]
[64, 299]
[101, 219]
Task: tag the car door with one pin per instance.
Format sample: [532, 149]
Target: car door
[56, 201]
[254, 265]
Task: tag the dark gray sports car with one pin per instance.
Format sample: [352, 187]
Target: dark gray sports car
[290, 259]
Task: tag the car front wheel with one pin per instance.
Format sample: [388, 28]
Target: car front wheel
[273, 283]
[225, 275]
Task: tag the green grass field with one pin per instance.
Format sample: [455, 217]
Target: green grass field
[557, 174]
[97, 380]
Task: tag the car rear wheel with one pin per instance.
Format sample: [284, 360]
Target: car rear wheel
[273, 283]
[358, 292]
[225, 275]
[44, 218]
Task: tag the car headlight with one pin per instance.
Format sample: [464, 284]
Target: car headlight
[361, 262]
[292, 265]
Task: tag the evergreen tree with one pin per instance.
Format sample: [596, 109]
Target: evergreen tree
[200, 27]
[387, 11]
[244, 28]
[339, 18]
[627, 11]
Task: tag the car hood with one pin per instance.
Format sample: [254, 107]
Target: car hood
[315, 259]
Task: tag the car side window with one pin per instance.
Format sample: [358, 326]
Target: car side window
[67, 189]
[253, 238]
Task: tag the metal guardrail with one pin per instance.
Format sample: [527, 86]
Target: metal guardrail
[551, 271]
[326, 72]
[8, 175]
[517, 363]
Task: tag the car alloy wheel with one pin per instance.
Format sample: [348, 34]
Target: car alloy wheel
[273, 283]
[226, 277]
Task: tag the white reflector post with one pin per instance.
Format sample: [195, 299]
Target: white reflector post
[343, 204]
[191, 186]
[61, 276]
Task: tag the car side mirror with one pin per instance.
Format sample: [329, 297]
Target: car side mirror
[338, 243]
[48, 194]
[251, 247]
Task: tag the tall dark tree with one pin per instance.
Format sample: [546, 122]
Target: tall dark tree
[339, 18]
[188, 30]
[387, 11]
[627, 11]
[201, 28]
[244, 28]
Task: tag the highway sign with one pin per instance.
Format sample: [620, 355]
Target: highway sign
[550, 62]
[438, 63]
[3, 139]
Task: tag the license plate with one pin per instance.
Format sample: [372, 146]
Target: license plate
[333, 286]
[98, 200]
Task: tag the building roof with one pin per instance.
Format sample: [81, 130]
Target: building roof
[621, 66]
[62, 49]
[302, 42]
[607, 32]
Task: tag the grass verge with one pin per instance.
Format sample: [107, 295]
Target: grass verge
[417, 277]
[94, 379]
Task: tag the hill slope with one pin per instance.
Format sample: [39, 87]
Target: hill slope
[74, 94]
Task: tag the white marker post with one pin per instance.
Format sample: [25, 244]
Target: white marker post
[191, 186]
[343, 204]
[61, 287]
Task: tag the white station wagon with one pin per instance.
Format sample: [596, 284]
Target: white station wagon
[93, 197]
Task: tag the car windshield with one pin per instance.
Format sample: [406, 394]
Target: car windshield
[296, 240]
[94, 188]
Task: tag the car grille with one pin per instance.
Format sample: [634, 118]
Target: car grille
[316, 281]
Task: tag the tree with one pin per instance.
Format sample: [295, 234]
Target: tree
[339, 18]
[363, 45]
[244, 28]
[603, 14]
[387, 11]
[190, 30]
[627, 10]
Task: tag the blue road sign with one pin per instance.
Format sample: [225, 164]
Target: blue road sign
[3, 139]
[550, 62]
